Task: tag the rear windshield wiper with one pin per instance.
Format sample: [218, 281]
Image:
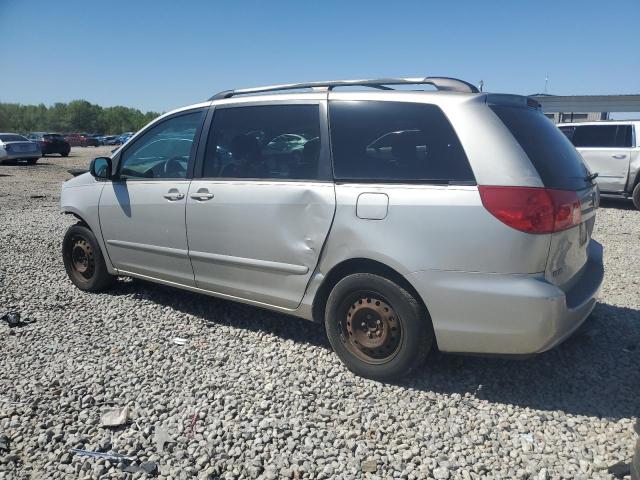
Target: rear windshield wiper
[591, 177]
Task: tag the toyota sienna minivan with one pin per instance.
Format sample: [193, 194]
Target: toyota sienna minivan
[402, 220]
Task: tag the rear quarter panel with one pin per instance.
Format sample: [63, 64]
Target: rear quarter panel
[430, 227]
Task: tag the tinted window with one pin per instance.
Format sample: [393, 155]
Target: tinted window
[551, 153]
[10, 137]
[271, 141]
[164, 150]
[595, 136]
[397, 142]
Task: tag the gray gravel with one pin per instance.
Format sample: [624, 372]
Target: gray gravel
[255, 394]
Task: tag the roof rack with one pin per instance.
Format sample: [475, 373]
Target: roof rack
[441, 83]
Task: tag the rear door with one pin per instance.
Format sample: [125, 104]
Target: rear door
[560, 168]
[260, 211]
[142, 211]
[607, 150]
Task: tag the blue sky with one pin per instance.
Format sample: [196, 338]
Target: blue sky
[157, 55]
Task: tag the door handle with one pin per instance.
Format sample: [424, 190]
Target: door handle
[619, 156]
[202, 196]
[172, 196]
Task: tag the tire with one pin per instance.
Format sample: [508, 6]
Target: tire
[377, 347]
[64, 154]
[83, 260]
[32, 161]
[635, 196]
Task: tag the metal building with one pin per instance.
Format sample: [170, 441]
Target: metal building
[583, 108]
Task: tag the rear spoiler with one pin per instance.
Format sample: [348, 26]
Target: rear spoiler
[512, 100]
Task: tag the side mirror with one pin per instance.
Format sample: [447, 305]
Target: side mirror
[101, 168]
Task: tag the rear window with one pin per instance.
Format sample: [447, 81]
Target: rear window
[602, 136]
[53, 136]
[11, 137]
[551, 153]
[395, 142]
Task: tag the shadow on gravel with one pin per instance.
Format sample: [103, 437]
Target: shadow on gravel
[215, 311]
[617, 203]
[596, 372]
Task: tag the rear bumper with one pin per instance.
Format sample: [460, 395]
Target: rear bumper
[506, 314]
[20, 155]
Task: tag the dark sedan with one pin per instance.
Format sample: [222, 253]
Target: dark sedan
[92, 141]
[51, 143]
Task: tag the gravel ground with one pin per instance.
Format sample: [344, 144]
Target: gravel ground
[257, 394]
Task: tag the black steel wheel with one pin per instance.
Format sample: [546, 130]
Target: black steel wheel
[376, 327]
[83, 260]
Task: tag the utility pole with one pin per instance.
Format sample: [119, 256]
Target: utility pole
[546, 84]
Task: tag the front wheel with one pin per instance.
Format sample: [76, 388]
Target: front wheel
[65, 154]
[32, 161]
[377, 328]
[83, 260]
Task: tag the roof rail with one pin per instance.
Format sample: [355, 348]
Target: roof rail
[441, 83]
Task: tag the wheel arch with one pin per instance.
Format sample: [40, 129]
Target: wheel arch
[95, 229]
[358, 265]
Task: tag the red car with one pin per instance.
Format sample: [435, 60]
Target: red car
[75, 139]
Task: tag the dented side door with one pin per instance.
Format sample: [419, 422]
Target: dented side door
[259, 239]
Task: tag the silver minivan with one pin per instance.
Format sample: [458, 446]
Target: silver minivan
[402, 220]
[612, 150]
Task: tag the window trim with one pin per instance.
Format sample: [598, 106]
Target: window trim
[324, 160]
[117, 159]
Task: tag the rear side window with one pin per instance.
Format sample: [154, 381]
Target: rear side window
[602, 136]
[395, 142]
[265, 142]
[550, 151]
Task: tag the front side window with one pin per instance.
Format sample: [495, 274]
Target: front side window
[264, 142]
[396, 142]
[164, 150]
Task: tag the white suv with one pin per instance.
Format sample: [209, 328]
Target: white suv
[612, 150]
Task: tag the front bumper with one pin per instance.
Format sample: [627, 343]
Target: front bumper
[506, 314]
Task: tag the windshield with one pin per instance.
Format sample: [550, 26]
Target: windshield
[12, 137]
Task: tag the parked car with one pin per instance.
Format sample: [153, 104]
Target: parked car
[122, 138]
[473, 235]
[92, 141]
[51, 143]
[612, 150]
[74, 139]
[110, 139]
[15, 147]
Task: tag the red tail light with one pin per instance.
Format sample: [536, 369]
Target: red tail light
[532, 210]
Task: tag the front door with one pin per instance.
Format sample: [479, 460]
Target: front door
[261, 209]
[142, 211]
[607, 151]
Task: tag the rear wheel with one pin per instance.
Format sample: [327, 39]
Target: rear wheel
[377, 328]
[83, 260]
[635, 196]
[32, 161]
[65, 154]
